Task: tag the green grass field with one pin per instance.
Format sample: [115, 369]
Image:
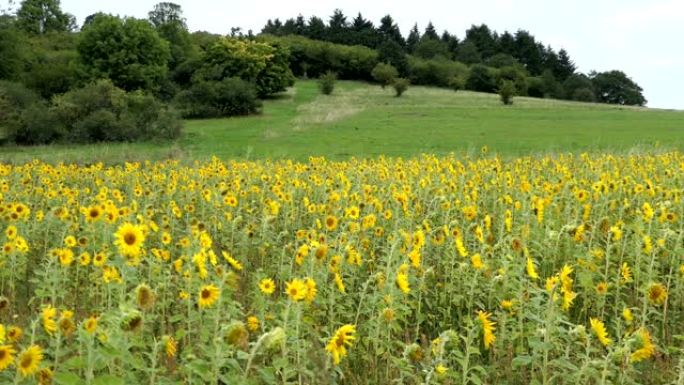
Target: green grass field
[365, 121]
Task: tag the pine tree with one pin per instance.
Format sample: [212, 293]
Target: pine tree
[430, 32]
[388, 30]
[413, 39]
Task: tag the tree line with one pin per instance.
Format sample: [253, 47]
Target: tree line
[123, 78]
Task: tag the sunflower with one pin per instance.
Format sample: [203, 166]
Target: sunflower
[90, 325]
[646, 348]
[599, 329]
[331, 222]
[310, 290]
[657, 294]
[45, 376]
[208, 295]
[602, 288]
[252, 323]
[170, 346]
[4, 303]
[337, 346]
[402, 282]
[14, 333]
[29, 360]
[7, 353]
[296, 289]
[339, 283]
[267, 286]
[144, 296]
[129, 239]
[488, 328]
[531, 269]
[48, 315]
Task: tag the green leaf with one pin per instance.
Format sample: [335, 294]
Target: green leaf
[108, 379]
[66, 378]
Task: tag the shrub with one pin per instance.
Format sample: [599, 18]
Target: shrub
[209, 99]
[535, 87]
[101, 111]
[584, 95]
[506, 92]
[326, 83]
[15, 98]
[481, 79]
[384, 74]
[456, 83]
[435, 72]
[400, 86]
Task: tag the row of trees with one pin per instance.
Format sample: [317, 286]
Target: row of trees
[420, 55]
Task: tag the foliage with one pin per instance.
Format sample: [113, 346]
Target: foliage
[400, 86]
[311, 58]
[507, 90]
[37, 17]
[14, 99]
[265, 65]
[326, 83]
[95, 113]
[11, 49]
[385, 74]
[209, 99]
[128, 51]
[514, 74]
[481, 79]
[436, 72]
[53, 71]
[390, 51]
[615, 87]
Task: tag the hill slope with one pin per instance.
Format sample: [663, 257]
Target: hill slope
[364, 120]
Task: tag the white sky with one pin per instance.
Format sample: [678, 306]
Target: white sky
[640, 37]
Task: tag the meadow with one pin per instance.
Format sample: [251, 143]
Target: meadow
[362, 120]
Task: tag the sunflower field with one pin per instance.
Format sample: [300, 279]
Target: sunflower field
[559, 269]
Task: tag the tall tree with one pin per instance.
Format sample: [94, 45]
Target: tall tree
[389, 30]
[413, 39]
[506, 43]
[128, 51]
[167, 14]
[615, 87]
[363, 32]
[316, 29]
[484, 40]
[11, 49]
[529, 52]
[566, 67]
[38, 17]
[451, 42]
[430, 32]
[338, 27]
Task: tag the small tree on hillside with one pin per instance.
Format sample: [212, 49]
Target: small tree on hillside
[506, 92]
[384, 74]
[400, 86]
[327, 82]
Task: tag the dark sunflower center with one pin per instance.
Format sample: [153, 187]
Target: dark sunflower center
[206, 294]
[26, 362]
[129, 238]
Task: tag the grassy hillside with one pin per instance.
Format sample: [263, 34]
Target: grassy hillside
[364, 120]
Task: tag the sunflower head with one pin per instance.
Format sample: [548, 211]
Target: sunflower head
[144, 297]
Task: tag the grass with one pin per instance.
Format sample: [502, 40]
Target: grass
[365, 121]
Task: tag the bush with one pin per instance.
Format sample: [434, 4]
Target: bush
[384, 74]
[535, 87]
[209, 99]
[456, 83]
[435, 72]
[584, 95]
[481, 79]
[97, 112]
[506, 92]
[515, 74]
[326, 83]
[15, 98]
[400, 86]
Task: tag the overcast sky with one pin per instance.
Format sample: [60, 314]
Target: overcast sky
[640, 37]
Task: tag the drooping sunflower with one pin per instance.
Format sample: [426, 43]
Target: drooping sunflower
[129, 240]
[402, 282]
[29, 360]
[311, 290]
[599, 329]
[170, 346]
[646, 348]
[657, 294]
[343, 338]
[267, 286]
[48, 315]
[488, 328]
[144, 296]
[208, 295]
[7, 353]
